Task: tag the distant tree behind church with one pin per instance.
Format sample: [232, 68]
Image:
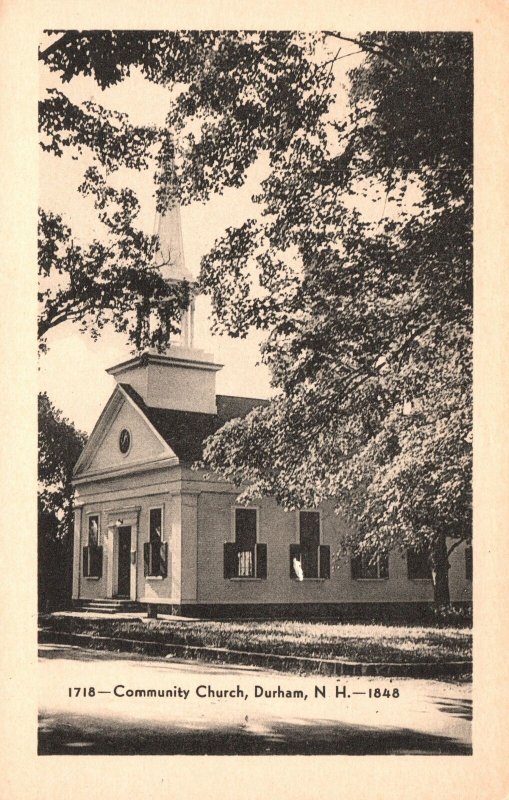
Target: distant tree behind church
[60, 445]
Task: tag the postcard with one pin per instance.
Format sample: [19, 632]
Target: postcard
[268, 351]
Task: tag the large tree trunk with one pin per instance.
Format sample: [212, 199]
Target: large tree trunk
[440, 571]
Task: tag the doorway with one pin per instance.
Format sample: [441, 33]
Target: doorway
[124, 561]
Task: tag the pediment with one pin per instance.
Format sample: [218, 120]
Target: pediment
[103, 452]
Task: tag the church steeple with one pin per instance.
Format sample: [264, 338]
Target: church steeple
[170, 257]
[183, 378]
[170, 253]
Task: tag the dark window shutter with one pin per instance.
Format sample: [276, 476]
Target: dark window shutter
[324, 561]
[356, 567]
[97, 562]
[383, 569]
[230, 560]
[155, 558]
[261, 561]
[294, 553]
[146, 558]
[163, 562]
[85, 562]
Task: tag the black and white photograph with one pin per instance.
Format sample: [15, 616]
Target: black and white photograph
[255, 392]
[254, 384]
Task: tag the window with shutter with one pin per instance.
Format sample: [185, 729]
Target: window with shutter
[245, 539]
[92, 561]
[245, 557]
[155, 524]
[155, 551]
[93, 530]
[309, 533]
[418, 566]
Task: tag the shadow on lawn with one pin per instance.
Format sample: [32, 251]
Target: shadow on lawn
[82, 735]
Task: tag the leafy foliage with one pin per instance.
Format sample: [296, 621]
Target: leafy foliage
[357, 266]
[371, 348]
[113, 280]
[60, 445]
[230, 96]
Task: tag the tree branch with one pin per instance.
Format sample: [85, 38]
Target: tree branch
[455, 545]
[377, 50]
[66, 37]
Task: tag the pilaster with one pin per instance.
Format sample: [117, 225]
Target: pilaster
[76, 555]
[189, 546]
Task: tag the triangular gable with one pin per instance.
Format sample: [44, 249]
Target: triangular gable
[102, 451]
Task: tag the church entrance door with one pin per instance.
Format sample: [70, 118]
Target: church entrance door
[124, 561]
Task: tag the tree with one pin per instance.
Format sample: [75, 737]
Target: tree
[245, 92]
[60, 445]
[370, 339]
[367, 315]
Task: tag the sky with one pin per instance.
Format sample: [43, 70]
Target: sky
[73, 370]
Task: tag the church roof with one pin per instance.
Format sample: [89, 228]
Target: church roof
[185, 431]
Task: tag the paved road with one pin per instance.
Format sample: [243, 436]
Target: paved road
[168, 715]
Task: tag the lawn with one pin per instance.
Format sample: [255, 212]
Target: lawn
[353, 642]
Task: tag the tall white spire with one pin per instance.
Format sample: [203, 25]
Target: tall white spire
[170, 258]
[170, 253]
[183, 378]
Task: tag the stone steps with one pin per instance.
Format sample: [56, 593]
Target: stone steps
[110, 606]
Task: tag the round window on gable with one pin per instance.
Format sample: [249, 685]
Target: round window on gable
[124, 441]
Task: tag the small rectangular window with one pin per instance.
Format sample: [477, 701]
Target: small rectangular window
[418, 565]
[156, 524]
[93, 530]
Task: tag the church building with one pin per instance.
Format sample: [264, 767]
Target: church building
[150, 531]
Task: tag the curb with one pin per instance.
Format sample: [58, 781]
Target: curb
[282, 663]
